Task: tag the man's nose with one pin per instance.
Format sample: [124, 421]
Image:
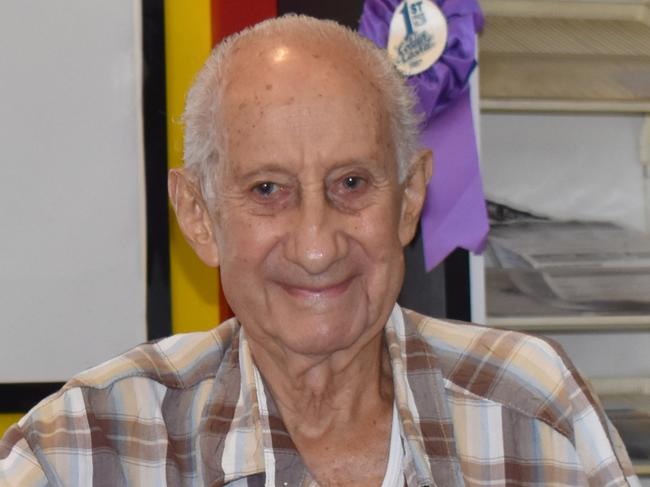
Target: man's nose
[317, 239]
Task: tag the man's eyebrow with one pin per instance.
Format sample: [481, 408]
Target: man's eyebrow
[357, 160]
[366, 162]
[274, 167]
[261, 169]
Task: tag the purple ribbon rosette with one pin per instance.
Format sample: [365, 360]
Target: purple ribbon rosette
[454, 213]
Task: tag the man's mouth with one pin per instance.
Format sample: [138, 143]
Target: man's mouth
[320, 291]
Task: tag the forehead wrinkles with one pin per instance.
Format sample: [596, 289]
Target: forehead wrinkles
[252, 82]
[290, 129]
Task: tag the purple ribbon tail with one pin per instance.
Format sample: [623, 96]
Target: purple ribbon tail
[454, 213]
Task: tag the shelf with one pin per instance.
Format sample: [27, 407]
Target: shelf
[565, 56]
[554, 276]
[570, 324]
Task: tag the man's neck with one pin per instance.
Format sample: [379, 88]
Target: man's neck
[314, 393]
[337, 410]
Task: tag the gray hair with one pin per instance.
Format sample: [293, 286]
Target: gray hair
[202, 143]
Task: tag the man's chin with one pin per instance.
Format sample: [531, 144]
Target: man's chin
[325, 329]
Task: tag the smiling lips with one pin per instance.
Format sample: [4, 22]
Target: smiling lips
[317, 292]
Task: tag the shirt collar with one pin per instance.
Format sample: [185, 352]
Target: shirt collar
[421, 399]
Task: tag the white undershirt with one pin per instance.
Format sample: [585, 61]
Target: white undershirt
[394, 476]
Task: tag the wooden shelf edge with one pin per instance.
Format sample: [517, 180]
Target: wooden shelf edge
[607, 386]
[536, 105]
[593, 9]
[572, 323]
[641, 468]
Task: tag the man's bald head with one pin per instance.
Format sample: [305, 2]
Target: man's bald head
[240, 55]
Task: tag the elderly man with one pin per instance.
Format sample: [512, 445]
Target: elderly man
[303, 183]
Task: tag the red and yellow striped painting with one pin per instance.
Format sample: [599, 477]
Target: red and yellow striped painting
[191, 30]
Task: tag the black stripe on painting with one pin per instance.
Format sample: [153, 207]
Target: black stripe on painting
[155, 148]
[21, 397]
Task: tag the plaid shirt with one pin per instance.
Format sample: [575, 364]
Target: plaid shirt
[478, 406]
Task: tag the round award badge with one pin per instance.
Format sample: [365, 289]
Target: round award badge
[417, 36]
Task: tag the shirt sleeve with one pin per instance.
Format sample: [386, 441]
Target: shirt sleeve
[18, 464]
[621, 453]
[598, 444]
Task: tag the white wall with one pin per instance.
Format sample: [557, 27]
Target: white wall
[72, 263]
[573, 166]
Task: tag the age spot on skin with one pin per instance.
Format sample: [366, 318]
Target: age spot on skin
[269, 87]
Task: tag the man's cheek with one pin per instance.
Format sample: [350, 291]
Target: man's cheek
[249, 245]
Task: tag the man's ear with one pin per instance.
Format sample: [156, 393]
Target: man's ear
[414, 192]
[193, 217]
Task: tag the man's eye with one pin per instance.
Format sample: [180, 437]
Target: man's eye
[349, 191]
[352, 182]
[266, 188]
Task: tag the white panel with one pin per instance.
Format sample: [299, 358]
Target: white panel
[608, 354]
[72, 279]
[476, 262]
[565, 165]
